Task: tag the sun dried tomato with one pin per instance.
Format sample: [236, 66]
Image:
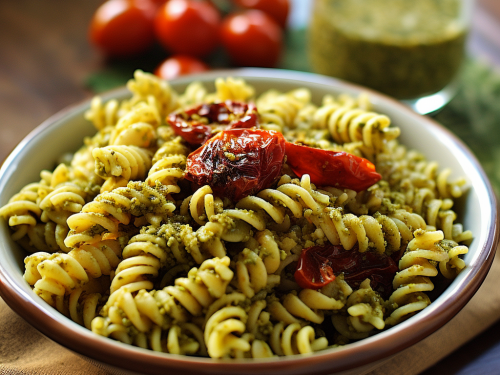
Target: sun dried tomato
[198, 124]
[237, 162]
[331, 168]
[314, 269]
[318, 266]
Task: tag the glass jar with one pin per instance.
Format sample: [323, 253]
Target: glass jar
[408, 49]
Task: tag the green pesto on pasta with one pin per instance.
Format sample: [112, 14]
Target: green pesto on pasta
[122, 243]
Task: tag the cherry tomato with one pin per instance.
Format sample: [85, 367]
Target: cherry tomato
[198, 124]
[277, 9]
[179, 65]
[318, 266]
[252, 38]
[158, 3]
[123, 28]
[331, 168]
[188, 27]
[237, 162]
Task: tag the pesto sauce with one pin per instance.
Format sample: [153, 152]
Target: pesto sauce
[404, 48]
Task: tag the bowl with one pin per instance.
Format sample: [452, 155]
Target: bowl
[64, 133]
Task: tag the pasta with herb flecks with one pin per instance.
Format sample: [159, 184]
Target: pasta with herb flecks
[303, 227]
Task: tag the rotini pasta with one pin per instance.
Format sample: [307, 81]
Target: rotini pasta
[56, 275]
[124, 243]
[415, 269]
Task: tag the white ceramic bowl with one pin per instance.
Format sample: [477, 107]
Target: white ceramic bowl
[64, 132]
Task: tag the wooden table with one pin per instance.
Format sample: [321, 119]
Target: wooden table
[45, 59]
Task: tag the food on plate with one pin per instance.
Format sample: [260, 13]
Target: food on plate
[229, 241]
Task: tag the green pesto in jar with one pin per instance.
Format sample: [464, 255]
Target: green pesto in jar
[404, 48]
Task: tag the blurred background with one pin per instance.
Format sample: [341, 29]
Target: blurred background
[54, 53]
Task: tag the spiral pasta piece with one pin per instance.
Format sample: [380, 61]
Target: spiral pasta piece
[22, 212]
[258, 323]
[383, 233]
[147, 87]
[143, 257]
[56, 275]
[110, 209]
[294, 338]
[366, 312]
[143, 112]
[63, 201]
[202, 205]
[293, 196]
[216, 223]
[278, 111]
[82, 165]
[454, 265]
[167, 171]
[139, 134]
[126, 162]
[310, 304]
[194, 94]
[251, 273]
[202, 286]
[170, 144]
[47, 237]
[181, 339]
[102, 114]
[347, 124]
[79, 306]
[232, 89]
[224, 330]
[413, 279]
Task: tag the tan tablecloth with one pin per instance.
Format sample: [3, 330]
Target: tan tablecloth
[25, 351]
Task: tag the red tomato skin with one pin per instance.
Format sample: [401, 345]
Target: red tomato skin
[188, 27]
[179, 65]
[330, 168]
[122, 28]
[157, 3]
[252, 38]
[314, 270]
[319, 265]
[277, 9]
[220, 116]
[258, 158]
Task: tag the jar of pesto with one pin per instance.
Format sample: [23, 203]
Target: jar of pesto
[408, 49]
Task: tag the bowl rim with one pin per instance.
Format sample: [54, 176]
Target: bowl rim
[355, 355]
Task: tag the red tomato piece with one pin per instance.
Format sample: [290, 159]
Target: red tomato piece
[331, 168]
[179, 65]
[277, 9]
[252, 38]
[218, 116]
[318, 266]
[237, 162]
[122, 28]
[188, 27]
[314, 269]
